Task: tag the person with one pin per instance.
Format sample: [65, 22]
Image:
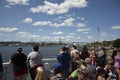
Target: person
[114, 53]
[57, 72]
[84, 54]
[34, 59]
[101, 59]
[1, 68]
[64, 59]
[73, 60]
[100, 73]
[91, 69]
[93, 57]
[18, 60]
[117, 63]
[40, 74]
[111, 72]
[81, 73]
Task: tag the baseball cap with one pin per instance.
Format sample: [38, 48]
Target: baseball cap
[57, 66]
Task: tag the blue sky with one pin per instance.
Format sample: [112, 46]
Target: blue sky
[49, 20]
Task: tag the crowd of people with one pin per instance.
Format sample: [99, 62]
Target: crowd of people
[71, 64]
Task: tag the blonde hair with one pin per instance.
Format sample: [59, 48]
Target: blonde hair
[40, 74]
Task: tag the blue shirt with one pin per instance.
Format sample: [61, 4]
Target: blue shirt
[64, 60]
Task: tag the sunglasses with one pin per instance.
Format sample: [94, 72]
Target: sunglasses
[81, 72]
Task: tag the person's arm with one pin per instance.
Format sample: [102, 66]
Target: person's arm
[10, 61]
[73, 75]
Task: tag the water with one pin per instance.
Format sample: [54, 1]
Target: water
[47, 52]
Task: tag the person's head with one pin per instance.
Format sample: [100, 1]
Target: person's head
[84, 48]
[104, 49]
[40, 74]
[74, 47]
[100, 71]
[110, 64]
[88, 60]
[57, 68]
[35, 47]
[19, 49]
[63, 49]
[82, 74]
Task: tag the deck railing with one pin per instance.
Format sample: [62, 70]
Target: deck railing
[8, 69]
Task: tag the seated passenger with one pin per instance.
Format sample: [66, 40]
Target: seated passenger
[57, 72]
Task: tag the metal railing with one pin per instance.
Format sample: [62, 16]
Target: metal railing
[8, 69]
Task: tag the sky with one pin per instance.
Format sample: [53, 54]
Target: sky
[51, 20]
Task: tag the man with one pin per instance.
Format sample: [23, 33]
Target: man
[91, 69]
[19, 65]
[34, 59]
[64, 59]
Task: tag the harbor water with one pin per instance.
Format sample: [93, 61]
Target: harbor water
[48, 53]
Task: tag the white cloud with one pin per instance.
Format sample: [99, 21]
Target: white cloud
[82, 19]
[83, 29]
[71, 33]
[85, 32]
[7, 6]
[89, 37]
[41, 23]
[64, 38]
[14, 2]
[81, 25]
[67, 22]
[78, 38]
[59, 18]
[57, 33]
[115, 27]
[27, 35]
[27, 20]
[8, 29]
[54, 8]
[103, 34]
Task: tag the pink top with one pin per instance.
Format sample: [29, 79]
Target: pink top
[117, 62]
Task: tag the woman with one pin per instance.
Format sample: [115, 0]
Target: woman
[40, 74]
[81, 73]
[117, 63]
[111, 72]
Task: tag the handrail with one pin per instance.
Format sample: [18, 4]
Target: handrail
[46, 59]
[7, 64]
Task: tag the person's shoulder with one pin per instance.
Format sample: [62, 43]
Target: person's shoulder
[14, 54]
[58, 55]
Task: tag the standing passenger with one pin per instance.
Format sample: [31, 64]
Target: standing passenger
[64, 59]
[84, 54]
[35, 60]
[73, 59]
[1, 68]
[117, 63]
[19, 65]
